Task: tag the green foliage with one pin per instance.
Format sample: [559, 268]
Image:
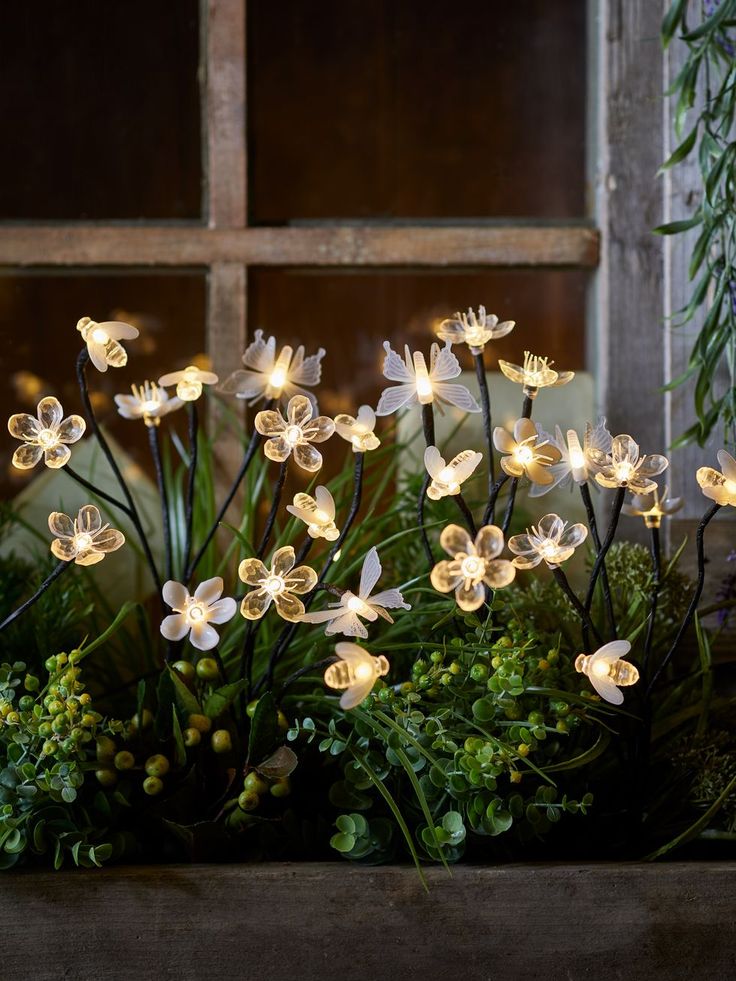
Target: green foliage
[704, 94]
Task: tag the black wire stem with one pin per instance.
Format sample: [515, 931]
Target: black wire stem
[83, 482]
[699, 535]
[485, 402]
[466, 513]
[593, 526]
[247, 458]
[429, 439]
[163, 494]
[618, 501]
[271, 519]
[488, 515]
[526, 413]
[57, 571]
[82, 362]
[656, 576]
[566, 588]
[189, 507]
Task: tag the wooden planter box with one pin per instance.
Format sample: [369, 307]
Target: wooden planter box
[284, 922]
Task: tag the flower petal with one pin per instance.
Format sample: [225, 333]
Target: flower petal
[282, 560]
[728, 465]
[288, 606]
[64, 549]
[503, 440]
[174, 627]
[624, 448]
[526, 561]
[175, 595]
[89, 557]
[255, 604]
[203, 636]
[538, 473]
[307, 457]
[470, 598]
[551, 526]
[209, 590]
[277, 449]
[56, 456]
[71, 429]
[61, 524]
[499, 573]
[24, 426]
[522, 544]
[301, 580]
[252, 571]
[269, 422]
[444, 576]
[455, 539]
[489, 542]
[109, 540]
[653, 465]
[573, 536]
[50, 412]
[319, 429]
[89, 519]
[299, 411]
[223, 610]
[27, 456]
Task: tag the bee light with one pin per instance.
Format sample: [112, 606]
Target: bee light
[606, 670]
[355, 673]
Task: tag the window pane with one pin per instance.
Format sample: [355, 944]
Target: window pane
[100, 110]
[38, 317]
[352, 313]
[418, 109]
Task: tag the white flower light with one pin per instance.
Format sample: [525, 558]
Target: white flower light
[551, 541]
[417, 384]
[85, 539]
[344, 617]
[45, 435]
[356, 672]
[193, 614]
[270, 377]
[473, 329]
[535, 373]
[148, 402]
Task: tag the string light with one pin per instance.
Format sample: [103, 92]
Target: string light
[606, 670]
[473, 566]
[355, 673]
[550, 541]
[194, 615]
[46, 435]
[189, 382]
[267, 376]
[280, 585]
[102, 340]
[85, 539]
[447, 478]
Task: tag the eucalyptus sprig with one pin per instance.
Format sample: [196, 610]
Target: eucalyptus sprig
[706, 126]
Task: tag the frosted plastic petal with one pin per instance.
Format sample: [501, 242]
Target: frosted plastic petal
[299, 411]
[175, 594]
[24, 426]
[307, 457]
[319, 429]
[50, 412]
[61, 524]
[499, 573]
[255, 604]
[174, 627]
[471, 598]
[89, 519]
[551, 526]
[288, 606]
[64, 549]
[489, 542]
[210, 590]
[222, 610]
[455, 539]
[301, 580]
[203, 636]
[27, 456]
[396, 397]
[573, 536]
[282, 560]
[443, 578]
[57, 456]
[109, 540]
[252, 571]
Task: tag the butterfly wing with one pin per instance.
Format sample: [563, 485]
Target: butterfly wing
[370, 574]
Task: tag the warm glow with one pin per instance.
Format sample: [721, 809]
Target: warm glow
[730, 486]
[274, 585]
[445, 475]
[195, 612]
[99, 336]
[47, 438]
[292, 435]
[277, 377]
[83, 542]
[472, 567]
[524, 454]
[424, 387]
[357, 605]
[600, 669]
[363, 672]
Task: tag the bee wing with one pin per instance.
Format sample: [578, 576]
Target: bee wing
[606, 689]
[611, 652]
[370, 574]
[394, 366]
[325, 501]
[433, 461]
[366, 417]
[464, 464]
[356, 693]
[351, 652]
[443, 364]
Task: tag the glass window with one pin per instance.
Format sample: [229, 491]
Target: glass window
[100, 110]
[418, 109]
[38, 316]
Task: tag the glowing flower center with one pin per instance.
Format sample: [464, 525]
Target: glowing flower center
[363, 672]
[277, 377]
[83, 542]
[99, 336]
[292, 435]
[46, 438]
[524, 454]
[195, 612]
[547, 548]
[474, 335]
[601, 669]
[274, 585]
[151, 405]
[472, 567]
[624, 471]
[357, 605]
[424, 386]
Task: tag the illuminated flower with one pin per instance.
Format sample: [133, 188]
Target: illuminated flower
[551, 540]
[356, 673]
[193, 614]
[535, 373]
[447, 477]
[189, 382]
[148, 402]
[102, 342]
[294, 434]
[719, 487]
[278, 585]
[270, 377]
[416, 384]
[577, 463]
[344, 617]
[85, 539]
[623, 467]
[46, 435]
[473, 329]
[652, 507]
[474, 565]
[528, 452]
[605, 670]
[358, 430]
[317, 513]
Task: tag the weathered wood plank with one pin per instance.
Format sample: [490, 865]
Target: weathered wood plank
[224, 27]
[343, 922]
[83, 245]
